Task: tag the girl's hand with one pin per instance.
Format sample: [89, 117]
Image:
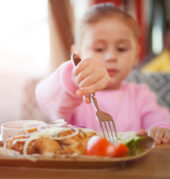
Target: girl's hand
[160, 135]
[91, 77]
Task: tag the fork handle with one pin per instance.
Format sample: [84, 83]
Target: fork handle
[94, 101]
[76, 60]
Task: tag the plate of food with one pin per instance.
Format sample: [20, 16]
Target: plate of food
[66, 146]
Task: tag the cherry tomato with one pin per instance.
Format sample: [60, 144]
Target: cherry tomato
[119, 150]
[99, 146]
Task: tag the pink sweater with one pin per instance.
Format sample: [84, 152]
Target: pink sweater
[133, 107]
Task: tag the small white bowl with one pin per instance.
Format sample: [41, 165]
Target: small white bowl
[19, 127]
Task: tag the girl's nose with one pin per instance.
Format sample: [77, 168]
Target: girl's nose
[111, 56]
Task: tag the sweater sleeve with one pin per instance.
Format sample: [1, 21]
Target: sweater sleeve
[152, 114]
[56, 95]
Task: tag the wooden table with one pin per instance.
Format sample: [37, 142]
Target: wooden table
[155, 165]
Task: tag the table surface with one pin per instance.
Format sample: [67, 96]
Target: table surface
[154, 165]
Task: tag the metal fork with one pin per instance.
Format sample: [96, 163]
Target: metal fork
[105, 120]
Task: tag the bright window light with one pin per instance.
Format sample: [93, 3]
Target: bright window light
[157, 40]
[24, 34]
[80, 7]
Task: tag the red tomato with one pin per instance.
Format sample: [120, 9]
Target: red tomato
[99, 146]
[120, 150]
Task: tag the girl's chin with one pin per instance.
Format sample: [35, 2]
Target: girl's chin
[113, 86]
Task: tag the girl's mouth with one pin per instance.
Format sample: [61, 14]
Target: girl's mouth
[112, 72]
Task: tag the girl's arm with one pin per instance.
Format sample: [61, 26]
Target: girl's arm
[152, 114]
[155, 118]
[56, 95]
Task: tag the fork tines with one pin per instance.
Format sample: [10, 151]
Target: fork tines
[108, 127]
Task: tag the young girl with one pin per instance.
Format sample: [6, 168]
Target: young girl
[106, 41]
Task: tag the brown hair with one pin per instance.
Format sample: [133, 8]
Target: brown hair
[101, 11]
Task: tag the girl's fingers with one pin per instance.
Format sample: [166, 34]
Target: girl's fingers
[84, 74]
[142, 132]
[90, 80]
[152, 132]
[166, 138]
[159, 135]
[80, 67]
[86, 99]
[92, 89]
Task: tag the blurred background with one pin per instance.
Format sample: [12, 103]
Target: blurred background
[36, 36]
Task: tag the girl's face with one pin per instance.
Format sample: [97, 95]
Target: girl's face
[111, 42]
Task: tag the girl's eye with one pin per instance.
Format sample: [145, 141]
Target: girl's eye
[98, 49]
[122, 49]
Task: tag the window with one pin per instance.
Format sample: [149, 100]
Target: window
[24, 34]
